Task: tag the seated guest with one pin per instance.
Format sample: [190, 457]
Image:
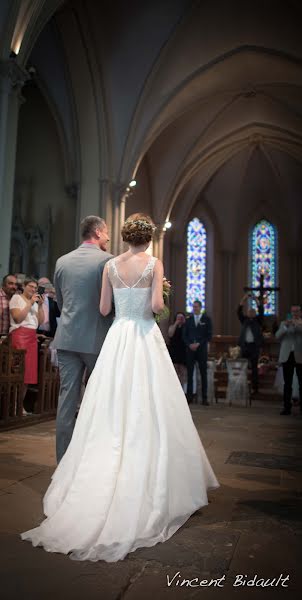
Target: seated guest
[290, 335]
[9, 288]
[50, 308]
[197, 333]
[250, 340]
[26, 314]
[177, 347]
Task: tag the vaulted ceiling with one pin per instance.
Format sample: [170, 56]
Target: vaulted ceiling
[204, 96]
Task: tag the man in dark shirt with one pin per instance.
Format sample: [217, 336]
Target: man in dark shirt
[50, 308]
[197, 332]
[250, 340]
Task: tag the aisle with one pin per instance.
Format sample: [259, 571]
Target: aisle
[252, 525]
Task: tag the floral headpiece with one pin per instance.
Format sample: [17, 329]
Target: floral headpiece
[144, 225]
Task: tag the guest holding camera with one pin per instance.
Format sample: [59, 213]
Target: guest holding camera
[177, 347]
[26, 314]
[290, 335]
[250, 339]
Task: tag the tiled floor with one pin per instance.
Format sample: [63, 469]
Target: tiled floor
[251, 529]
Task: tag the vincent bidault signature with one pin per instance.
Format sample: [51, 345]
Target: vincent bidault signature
[237, 581]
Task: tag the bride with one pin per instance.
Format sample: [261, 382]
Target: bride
[135, 469]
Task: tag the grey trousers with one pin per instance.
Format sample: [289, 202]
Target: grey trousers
[71, 367]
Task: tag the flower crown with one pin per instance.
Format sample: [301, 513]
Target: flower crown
[144, 225]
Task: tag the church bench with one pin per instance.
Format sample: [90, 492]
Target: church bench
[41, 399]
[12, 363]
[49, 382]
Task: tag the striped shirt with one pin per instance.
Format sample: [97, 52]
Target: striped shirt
[4, 313]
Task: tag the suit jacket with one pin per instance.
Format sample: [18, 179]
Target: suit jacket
[201, 334]
[77, 280]
[291, 340]
[54, 313]
[254, 324]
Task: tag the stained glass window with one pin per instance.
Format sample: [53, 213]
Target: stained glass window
[196, 263]
[263, 259]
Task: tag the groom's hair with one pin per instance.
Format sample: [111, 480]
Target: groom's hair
[89, 225]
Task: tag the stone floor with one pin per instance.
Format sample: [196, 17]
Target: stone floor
[251, 527]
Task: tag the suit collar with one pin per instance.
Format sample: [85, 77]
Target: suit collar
[91, 246]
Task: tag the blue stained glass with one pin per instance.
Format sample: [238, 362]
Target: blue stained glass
[196, 263]
[263, 259]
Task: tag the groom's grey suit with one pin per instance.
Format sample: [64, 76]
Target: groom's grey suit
[81, 329]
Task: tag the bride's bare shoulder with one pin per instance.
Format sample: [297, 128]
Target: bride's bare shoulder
[121, 257]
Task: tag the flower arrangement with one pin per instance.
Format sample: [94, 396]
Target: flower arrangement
[264, 365]
[234, 352]
[164, 314]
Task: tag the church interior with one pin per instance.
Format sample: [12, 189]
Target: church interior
[191, 112]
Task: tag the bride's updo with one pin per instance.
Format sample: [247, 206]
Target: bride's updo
[138, 229]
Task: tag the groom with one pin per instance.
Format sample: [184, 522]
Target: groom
[197, 333]
[81, 330]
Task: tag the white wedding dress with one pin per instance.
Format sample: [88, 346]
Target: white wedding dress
[135, 469]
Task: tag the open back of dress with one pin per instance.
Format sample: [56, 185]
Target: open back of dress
[132, 300]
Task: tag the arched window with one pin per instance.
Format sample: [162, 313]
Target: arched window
[196, 263]
[263, 259]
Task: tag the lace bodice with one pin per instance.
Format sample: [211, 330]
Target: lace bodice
[132, 302]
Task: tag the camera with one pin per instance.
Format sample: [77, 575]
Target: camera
[41, 290]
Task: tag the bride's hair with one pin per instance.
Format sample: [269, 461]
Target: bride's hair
[138, 229]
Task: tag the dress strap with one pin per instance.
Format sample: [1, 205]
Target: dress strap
[148, 269]
[112, 268]
[116, 273]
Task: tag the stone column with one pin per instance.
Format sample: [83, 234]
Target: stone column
[122, 221]
[118, 202]
[105, 201]
[115, 223]
[295, 262]
[227, 291]
[12, 78]
[158, 241]
[72, 190]
[177, 273]
[161, 245]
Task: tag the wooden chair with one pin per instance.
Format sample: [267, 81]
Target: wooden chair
[238, 385]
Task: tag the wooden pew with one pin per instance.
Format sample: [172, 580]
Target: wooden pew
[42, 399]
[48, 382]
[11, 383]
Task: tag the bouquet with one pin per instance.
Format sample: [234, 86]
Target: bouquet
[164, 314]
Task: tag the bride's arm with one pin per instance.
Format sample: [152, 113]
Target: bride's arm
[157, 287]
[106, 294]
